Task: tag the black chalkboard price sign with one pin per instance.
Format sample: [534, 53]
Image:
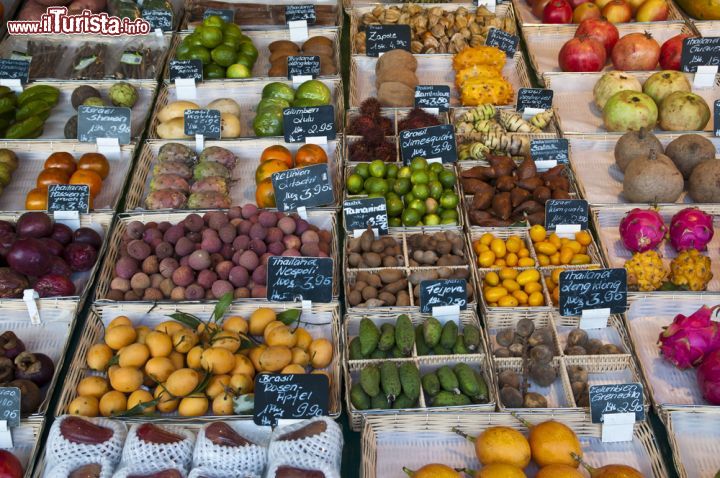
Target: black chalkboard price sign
[158, 18]
[382, 38]
[186, 69]
[69, 197]
[14, 70]
[432, 96]
[226, 14]
[699, 52]
[593, 289]
[616, 398]
[503, 40]
[716, 116]
[429, 143]
[295, 13]
[541, 98]
[566, 211]
[204, 122]
[364, 213]
[303, 66]
[103, 122]
[442, 292]
[309, 187]
[10, 406]
[315, 121]
[289, 396]
[290, 279]
[556, 149]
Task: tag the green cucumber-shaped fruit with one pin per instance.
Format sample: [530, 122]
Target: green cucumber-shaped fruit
[25, 129]
[449, 334]
[355, 349]
[5, 91]
[431, 384]
[471, 337]
[440, 350]
[459, 347]
[49, 93]
[449, 399]
[8, 104]
[387, 337]
[403, 401]
[359, 398]
[448, 380]
[410, 380]
[396, 353]
[369, 336]
[378, 354]
[33, 108]
[370, 379]
[390, 380]
[379, 402]
[404, 334]
[432, 329]
[420, 345]
[468, 382]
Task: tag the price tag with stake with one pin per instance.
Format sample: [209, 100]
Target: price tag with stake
[586, 290]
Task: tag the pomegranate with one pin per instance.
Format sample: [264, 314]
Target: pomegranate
[601, 30]
[586, 11]
[670, 52]
[617, 11]
[582, 54]
[636, 51]
[557, 11]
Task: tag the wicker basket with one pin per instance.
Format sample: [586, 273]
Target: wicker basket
[504, 12]
[544, 43]
[261, 40]
[431, 70]
[63, 111]
[68, 47]
[694, 438]
[577, 113]
[669, 387]
[26, 439]
[322, 219]
[390, 442]
[550, 132]
[706, 28]
[599, 180]
[242, 188]
[489, 312]
[32, 156]
[526, 19]
[479, 362]
[607, 220]
[247, 94]
[323, 321]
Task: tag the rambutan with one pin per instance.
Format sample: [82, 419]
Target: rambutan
[374, 136]
[418, 118]
[360, 125]
[370, 107]
[385, 152]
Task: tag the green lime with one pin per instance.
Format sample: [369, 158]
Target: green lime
[237, 70]
[375, 185]
[419, 177]
[447, 178]
[448, 222]
[431, 205]
[376, 195]
[245, 60]
[432, 176]
[270, 102]
[354, 184]
[183, 51]
[314, 90]
[213, 72]
[394, 207]
[449, 214]
[377, 168]
[213, 21]
[421, 191]
[278, 90]
[410, 217]
[419, 206]
[248, 49]
[210, 37]
[232, 30]
[408, 198]
[405, 172]
[436, 167]
[436, 189]
[402, 186]
[449, 200]
[418, 164]
[232, 42]
[223, 55]
[431, 220]
[390, 184]
[362, 170]
[200, 53]
[392, 171]
[192, 39]
[395, 222]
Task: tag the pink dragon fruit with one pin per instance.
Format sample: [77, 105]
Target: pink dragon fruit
[642, 230]
[688, 340]
[708, 377]
[691, 228]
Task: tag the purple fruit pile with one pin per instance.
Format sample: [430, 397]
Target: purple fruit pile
[205, 257]
[37, 253]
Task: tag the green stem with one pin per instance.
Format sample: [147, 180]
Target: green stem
[408, 471]
[463, 434]
[579, 459]
[522, 420]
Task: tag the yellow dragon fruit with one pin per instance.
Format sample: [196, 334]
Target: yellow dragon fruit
[645, 271]
[691, 269]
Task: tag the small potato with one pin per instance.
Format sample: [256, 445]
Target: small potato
[369, 292]
[193, 406]
[396, 287]
[372, 259]
[112, 403]
[134, 355]
[85, 406]
[120, 336]
[390, 276]
[98, 357]
[388, 298]
[93, 386]
[403, 299]
[354, 298]
[354, 259]
[321, 353]
[374, 280]
[141, 397]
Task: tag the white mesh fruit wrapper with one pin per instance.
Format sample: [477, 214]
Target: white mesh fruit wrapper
[62, 451]
[63, 470]
[145, 469]
[140, 452]
[251, 458]
[207, 472]
[322, 448]
[305, 463]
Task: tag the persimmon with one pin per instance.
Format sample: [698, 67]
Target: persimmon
[52, 176]
[310, 154]
[95, 162]
[267, 168]
[91, 178]
[62, 160]
[277, 152]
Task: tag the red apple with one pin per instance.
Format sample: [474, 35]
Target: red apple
[557, 11]
[636, 52]
[10, 466]
[601, 30]
[582, 54]
[586, 11]
[670, 52]
[617, 11]
[576, 3]
[538, 7]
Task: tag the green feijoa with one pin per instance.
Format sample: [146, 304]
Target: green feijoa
[449, 399]
[449, 334]
[354, 347]
[378, 354]
[431, 384]
[468, 382]
[404, 334]
[390, 380]
[448, 380]
[459, 347]
[432, 329]
[403, 401]
[440, 350]
[369, 336]
[420, 345]
[387, 337]
[359, 398]
[370, 379]
[410, 380]
[471, 338]
[379, 402]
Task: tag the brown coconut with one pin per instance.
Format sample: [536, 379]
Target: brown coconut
[704, 183]
[688, 151]
[635, 144]
[653, 179]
